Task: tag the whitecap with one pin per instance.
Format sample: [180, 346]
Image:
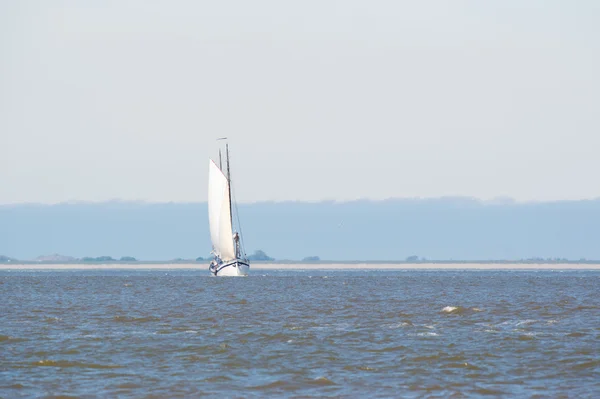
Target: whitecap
[449, 309]
[425, 334]
[398, 325]
[525, 322]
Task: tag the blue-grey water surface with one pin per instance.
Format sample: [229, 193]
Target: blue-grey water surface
[327, 333]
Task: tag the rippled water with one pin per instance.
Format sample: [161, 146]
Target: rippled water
[300, 333]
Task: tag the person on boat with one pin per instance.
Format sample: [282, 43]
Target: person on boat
[214, 264]
[236, 240]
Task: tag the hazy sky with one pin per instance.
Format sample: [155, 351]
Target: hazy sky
[320, 99]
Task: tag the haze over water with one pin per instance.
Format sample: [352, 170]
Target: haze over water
[336, 333]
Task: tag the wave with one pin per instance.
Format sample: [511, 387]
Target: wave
[128, 385]
[7, 338]
[451, 309]
[275, 385]
[132, 319]
[14, 386]
[322, 381]
[218, 378]
[526, 322]
[390, 349]
[425, 334]
[66, 363]
[460, 310]
[288, 386]
[464, 365]
[587, 365]
[406, 323]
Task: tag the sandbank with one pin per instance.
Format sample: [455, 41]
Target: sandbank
[308, 266]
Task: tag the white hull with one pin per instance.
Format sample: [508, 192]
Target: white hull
[230, 269]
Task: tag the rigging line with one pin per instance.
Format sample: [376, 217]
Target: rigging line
[237, 216]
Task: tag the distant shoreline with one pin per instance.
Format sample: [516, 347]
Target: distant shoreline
[305, 266]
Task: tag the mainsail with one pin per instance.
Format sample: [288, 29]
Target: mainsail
[219, 213]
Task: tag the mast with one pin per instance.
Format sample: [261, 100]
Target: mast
[220, 162]
[229, 182]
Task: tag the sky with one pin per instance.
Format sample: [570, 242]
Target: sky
[320, 100]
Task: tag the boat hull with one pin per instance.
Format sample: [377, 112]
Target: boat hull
[232, 269]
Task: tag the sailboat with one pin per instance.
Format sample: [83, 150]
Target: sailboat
[229, 257]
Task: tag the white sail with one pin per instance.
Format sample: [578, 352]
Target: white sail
[219, 213]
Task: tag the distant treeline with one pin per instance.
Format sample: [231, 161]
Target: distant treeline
[108, 259]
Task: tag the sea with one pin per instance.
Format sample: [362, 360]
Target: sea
[300, 334]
